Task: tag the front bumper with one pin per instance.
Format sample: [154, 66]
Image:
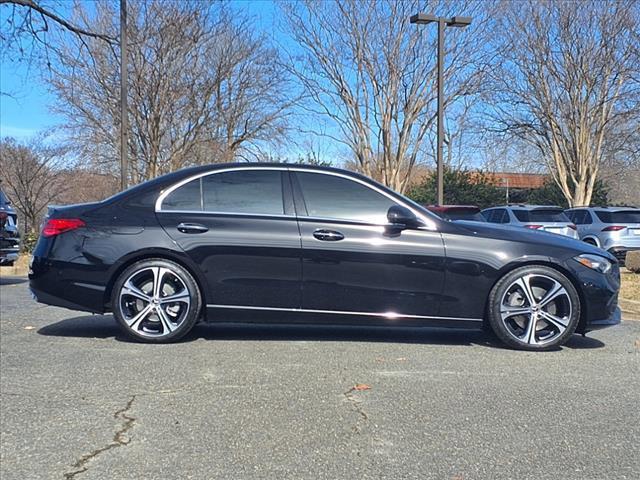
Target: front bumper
[613, 320]
[8, 256]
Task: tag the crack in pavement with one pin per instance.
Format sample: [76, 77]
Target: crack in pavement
[119, 440]
[357, 407]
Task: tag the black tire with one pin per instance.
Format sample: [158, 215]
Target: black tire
[554, 318]
[157, 325]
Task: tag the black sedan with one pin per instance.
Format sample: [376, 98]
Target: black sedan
[301, 244]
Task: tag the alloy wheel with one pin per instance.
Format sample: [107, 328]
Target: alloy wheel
[154, 301]
[536, 309]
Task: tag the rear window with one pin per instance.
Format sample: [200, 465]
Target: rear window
[463, 214]
[541, 215]
[623, 216]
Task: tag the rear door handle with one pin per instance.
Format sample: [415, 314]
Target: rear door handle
[192, 228]
[328, 235]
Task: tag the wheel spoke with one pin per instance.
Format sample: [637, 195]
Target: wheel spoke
[130, 289]
[182, 297]
[559, 323]
[167, 325]
[158, 276]
[553, 293]
[134, 322]
[529, 335]
[525, 285]
[513, 311]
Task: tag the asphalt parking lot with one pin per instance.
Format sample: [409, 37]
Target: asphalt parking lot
[78, 401]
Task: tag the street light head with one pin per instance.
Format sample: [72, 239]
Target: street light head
[422, 18]
[459, 22]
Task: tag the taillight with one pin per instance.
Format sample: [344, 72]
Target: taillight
[533, 227]
[613, 228]
[572, 226]
[56, 226]
[3, 218]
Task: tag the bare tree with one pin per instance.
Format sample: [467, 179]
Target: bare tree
[366, 68]
[203, 87]
[567, 83]
[26, 27]
[31, 176]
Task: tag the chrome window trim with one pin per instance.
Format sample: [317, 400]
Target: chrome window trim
[428, 223]
[389, 315]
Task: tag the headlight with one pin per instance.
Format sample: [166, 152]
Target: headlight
[594, 262]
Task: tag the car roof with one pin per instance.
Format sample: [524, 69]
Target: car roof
[606, 209]
[521, 206]
[445, 208]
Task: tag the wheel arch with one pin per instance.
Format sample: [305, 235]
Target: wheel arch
[544, 263]
[163, 254]
[591, 238]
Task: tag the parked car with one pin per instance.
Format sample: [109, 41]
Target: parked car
[9, 235]
[457, 212]
[304, 244]
[543, 218]
[615, 229]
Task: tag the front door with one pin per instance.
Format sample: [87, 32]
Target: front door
[239, 227]
[352, 262]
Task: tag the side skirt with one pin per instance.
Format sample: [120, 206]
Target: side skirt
[249, 314]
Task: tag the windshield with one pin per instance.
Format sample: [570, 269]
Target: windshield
[622, 216]
[541, 215]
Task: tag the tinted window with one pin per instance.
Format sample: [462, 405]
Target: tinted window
[186, 197]
[624, 216]
[498, 215]
[244, 191]
[541, 215]
[579, 217]
[462, 214]
[328, 196]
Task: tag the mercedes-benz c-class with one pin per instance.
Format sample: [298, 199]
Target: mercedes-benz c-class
[303, 244]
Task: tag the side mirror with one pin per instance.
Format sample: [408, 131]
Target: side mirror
[402, 217]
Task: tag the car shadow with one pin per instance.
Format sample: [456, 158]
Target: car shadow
[104, 326]
[12, 280]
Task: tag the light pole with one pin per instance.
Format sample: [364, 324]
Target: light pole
[420, 19]
[124, 111]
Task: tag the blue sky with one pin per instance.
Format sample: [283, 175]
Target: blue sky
[27, 109]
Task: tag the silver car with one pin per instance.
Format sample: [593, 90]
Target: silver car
[616, 229]
[543, 218]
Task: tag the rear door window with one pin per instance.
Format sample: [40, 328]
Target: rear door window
[244, 191]
[240, 191]
[541, 215]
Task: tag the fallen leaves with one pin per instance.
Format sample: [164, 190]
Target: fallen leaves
[358, 387]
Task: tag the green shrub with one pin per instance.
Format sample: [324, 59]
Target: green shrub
[28, 242]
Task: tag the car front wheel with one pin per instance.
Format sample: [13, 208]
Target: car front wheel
[534, 308]
[156, 301]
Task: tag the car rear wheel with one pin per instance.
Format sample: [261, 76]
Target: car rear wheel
[156, 301]
[534, 308]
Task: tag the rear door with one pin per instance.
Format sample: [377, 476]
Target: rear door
[239, 226]
[351, 262]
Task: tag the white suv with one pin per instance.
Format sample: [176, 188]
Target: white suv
[616, 229]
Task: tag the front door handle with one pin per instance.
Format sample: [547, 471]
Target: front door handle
[191, 228]
[328, 235]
